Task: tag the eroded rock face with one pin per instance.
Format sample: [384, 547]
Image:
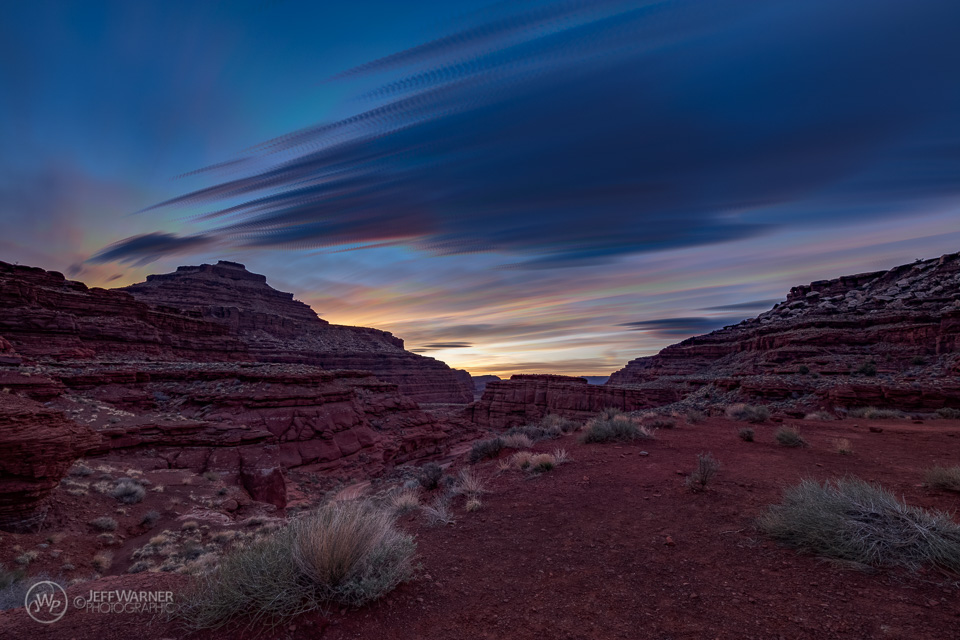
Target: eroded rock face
[276, 328]
[252, 422]
[889, 338]
[37, 446]
[527, 398]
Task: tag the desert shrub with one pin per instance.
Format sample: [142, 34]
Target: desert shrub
[789, 437]
[438, 512]
[819, 415]
[128, 491]
[140, 566]
[473, 504]
[948, 413]
[843, 446]
[27, 557]
[946, 478]
[868, 369]
[748, 413]
[872, 413]
[542, 462]
[706, 469]
[429, 476]
[610, 413]
[661, 423]
[516, 441]
[534, 433]
[918, 361]
[617, 428]
[404, 501]
[561, 456]
[104, 524]
[803, 369]
[483, 449]
[746, 434]
[190, 525]
[521, 460]
[150, 518]
[80, 470]
[344, 553]
[855, 521]
[565, 425]
[695, 416]
[13, 588]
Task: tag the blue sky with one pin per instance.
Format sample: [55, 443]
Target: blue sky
[509, 186]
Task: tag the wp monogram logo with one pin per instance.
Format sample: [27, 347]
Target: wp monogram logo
[46, 602]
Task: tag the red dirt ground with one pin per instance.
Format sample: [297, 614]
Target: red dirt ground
[582, 551]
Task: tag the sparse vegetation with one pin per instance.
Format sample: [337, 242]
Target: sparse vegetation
[26, 558]
[703, 474]
[868, 369]
[483, 449]
[345, 553]
[944, 478]
[128, 491]
[855, 521]
[872, 413]
[789, 437]
[473, 504]
[470, 483]
[429, 476]
[695, 416]
[843, 446]
[611, 426]
[13, 588]
[80, 470]
[565, 425]
[516, 441]
[190, 525]
[819, 415]
[748, 413]
[104, 523]
[746, 434]
[948, 413]
[150, 518]
[661, 423]
[918, 361]
[803, 369]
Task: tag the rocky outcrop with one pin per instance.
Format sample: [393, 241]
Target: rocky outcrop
[527, 398]
[889, 338]
[274, 327]
[37, 446]
[252, 422]
[8, 357]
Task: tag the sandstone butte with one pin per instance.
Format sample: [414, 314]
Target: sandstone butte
[883, 339]
[249, 389]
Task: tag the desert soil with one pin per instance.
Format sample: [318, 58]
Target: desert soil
[614, 545]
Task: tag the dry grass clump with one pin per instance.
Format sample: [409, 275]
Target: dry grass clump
[470, 483]
[344, 553]
[748, 413]
[483, 449]
[789, 437]
[944, 478]
[150, 518]
[80, 470]
[855, 521]
[561, 456]
[695, 416]
[746, 434]
[843, 446]
[439, 512]
[473, 504]
[872, 413]
[404, 501]
[26, 557]
[190, 525]
[102, 560]
[703, 474]
[516, 441]
[128, 491]
[542, 462]
[613, 429]
[104, 523]
[948, 413]
[819, 415]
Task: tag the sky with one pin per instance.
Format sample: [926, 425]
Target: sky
[509, 186]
